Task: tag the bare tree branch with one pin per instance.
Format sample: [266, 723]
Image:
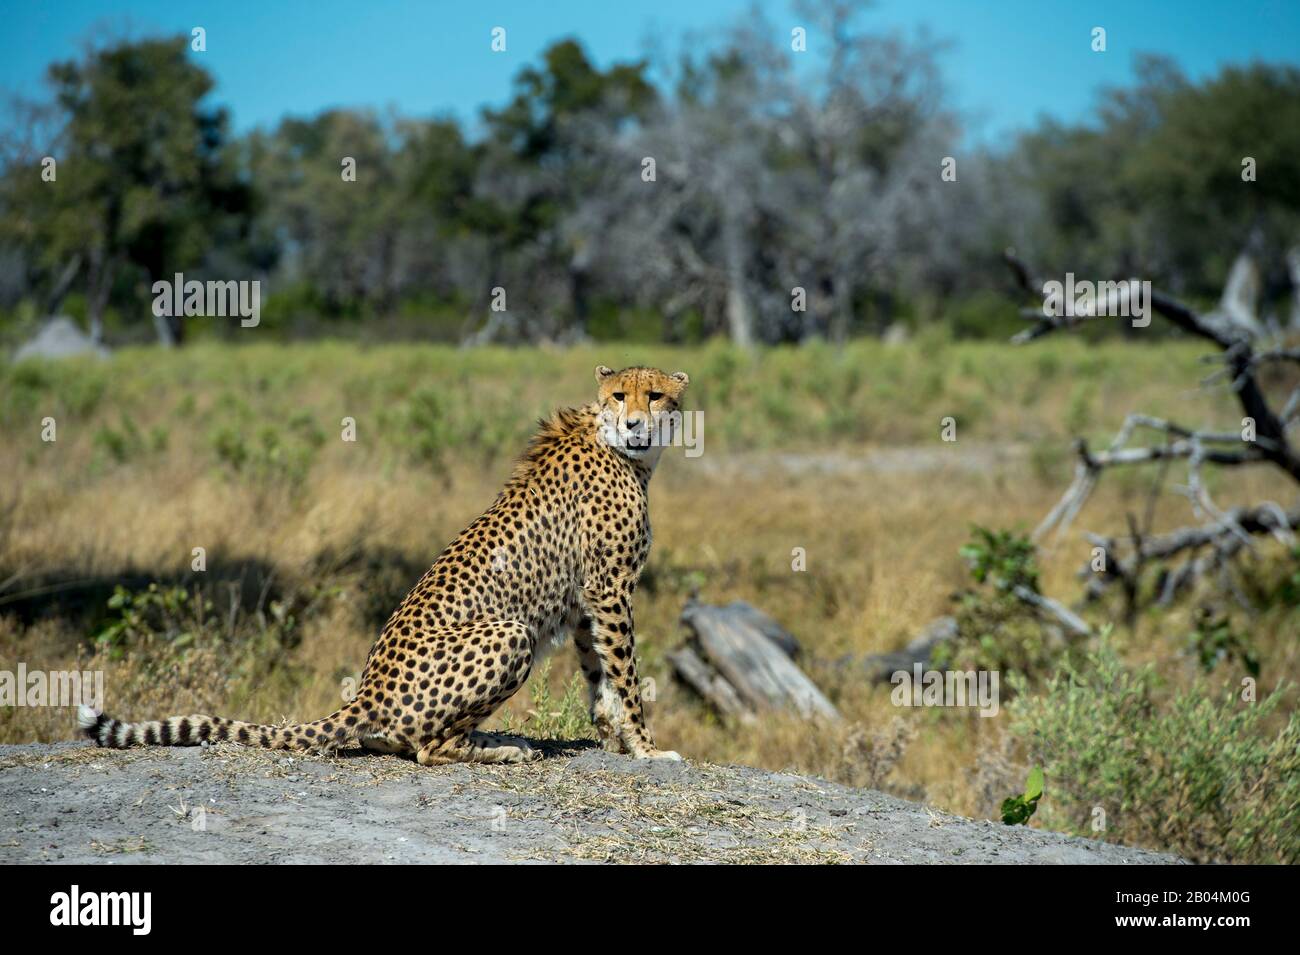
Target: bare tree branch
[1223, 533]
[1207, 548]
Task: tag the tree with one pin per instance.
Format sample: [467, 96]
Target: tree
[145, 185]
[862, 140]
[1158, 187]
[536, 169]
[771, 176]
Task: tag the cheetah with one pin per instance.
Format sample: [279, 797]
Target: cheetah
[556, 556]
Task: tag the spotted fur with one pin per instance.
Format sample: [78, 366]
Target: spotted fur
[557, 555]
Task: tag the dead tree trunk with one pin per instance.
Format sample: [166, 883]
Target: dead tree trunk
[740, 660]
[740, 310]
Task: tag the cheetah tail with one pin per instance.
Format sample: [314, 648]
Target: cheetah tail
[334, 730]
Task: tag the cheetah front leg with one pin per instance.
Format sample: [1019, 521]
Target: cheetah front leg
[598, 703]
[616, 694]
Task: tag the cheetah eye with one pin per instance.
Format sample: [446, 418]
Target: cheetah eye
[618, 396]
[656, 395]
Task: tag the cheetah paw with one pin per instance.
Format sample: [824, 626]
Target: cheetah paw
[667, 754]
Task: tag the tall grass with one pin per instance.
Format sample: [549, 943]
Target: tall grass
[241, 451]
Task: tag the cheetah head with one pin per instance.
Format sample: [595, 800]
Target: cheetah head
[639, 409]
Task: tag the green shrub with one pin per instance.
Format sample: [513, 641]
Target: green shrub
[1191, 772]
[160, 626]
[1214, 641]
[1005, 559]
[273, 457]
[428, 432]
[119, 444]
[999, 633]
[166, 613]
[996, 630]
[72, 387]
[230, 447]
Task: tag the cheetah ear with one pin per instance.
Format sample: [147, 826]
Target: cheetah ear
[681, 378]
[603, 372]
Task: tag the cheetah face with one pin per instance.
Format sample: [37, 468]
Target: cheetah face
[638, 409]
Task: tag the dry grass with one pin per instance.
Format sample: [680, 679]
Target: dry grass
[355, 526]
[667, 822]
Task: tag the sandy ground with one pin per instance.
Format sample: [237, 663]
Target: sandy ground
[901, 459]
[72, 803]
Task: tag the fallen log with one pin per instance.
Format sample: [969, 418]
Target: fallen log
[740, 660]
[766, 625]
[709, 684]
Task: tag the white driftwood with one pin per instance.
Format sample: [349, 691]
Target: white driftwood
[709, 684]
[744, 650]
[765, 624]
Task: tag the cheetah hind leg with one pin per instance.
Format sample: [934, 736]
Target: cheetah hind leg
[476, 747]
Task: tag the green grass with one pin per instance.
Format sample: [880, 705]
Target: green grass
[428, 401]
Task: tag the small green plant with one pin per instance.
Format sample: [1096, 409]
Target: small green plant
[122, 443]
[550, 717]
[177, 619]
[996, 629]
[167, 613]
[1004, 559]
[1213, 641]
[167, 635]
[125, 442]
[1017, 810]
[307, 429]
[427, 429]
[230, 447]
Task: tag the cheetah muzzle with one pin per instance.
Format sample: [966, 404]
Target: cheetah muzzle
[556, 556]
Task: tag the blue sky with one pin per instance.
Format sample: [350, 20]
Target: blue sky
[1009, 62]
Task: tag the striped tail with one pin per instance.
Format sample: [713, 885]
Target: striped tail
[332, 731]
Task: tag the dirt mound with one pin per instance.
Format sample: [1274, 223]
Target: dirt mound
[74, 803]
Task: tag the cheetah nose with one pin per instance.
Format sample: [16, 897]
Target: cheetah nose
[635, 424]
